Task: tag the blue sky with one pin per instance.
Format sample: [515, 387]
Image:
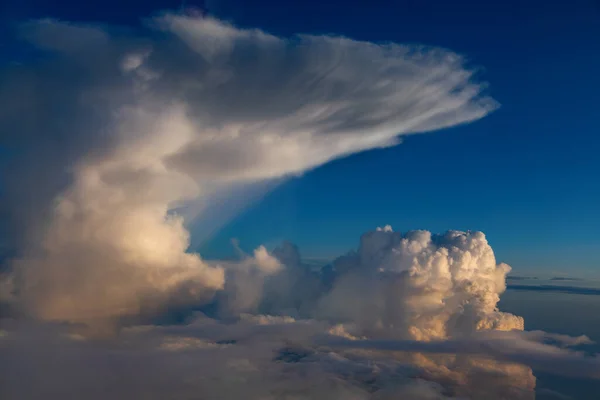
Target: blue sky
[526, 175]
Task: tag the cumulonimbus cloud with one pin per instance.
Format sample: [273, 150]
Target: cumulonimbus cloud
[114, 128]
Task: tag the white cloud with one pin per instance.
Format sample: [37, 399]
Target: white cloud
[420, 286]
[146, 121]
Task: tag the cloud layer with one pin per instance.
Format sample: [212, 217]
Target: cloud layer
[255, 358]
[430, 330]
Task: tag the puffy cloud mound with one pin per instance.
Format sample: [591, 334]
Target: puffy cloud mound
[420, 286]
[414, 285]
[128, 125]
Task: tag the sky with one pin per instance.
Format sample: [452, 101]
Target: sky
[525, 175]
[221, 200]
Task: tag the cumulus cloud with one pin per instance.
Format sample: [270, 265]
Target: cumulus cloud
[245, 283]
[420, 286]
[129, 125]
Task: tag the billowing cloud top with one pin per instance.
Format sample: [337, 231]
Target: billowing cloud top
[420, 286]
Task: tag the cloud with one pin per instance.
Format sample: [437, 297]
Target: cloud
[557, 289]
[261, 356]
[520, 278]
[244, 352]
[258, 357]
[411, 285]
[525, 348]
[129, 125]
[245, 282]
[116, 132]
[562, 278]
[420, 286]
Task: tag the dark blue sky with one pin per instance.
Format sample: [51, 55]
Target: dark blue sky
[527, 175]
